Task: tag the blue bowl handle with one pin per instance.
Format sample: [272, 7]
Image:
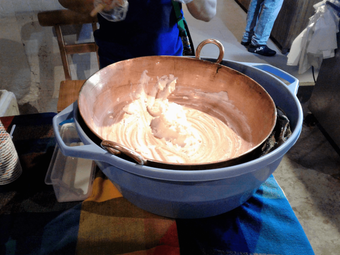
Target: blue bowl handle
[293, 85]
[89, 151]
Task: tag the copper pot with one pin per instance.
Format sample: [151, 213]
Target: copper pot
[99, 94]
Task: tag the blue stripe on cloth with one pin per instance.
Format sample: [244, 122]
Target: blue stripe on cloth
[265, 224]
[28, 207]
[39, 232]
[61, 234]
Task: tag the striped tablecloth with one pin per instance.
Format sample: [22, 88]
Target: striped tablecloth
[33, 222]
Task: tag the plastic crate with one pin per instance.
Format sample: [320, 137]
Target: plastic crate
[71, 177]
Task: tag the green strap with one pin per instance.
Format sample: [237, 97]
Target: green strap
[184, 34]
[180, 18]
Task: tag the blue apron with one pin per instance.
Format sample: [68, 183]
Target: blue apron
[150, 28]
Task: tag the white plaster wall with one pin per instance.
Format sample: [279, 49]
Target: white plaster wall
[30, 63]
[12, 7]
[14, 66]
[21, 40]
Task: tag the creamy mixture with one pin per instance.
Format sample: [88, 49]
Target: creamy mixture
[166, 131]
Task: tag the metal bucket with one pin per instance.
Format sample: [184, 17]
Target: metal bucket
[196, 193]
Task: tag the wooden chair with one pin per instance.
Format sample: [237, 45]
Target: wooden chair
[69, 89]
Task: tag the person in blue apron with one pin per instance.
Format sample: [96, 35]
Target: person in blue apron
[143, 27]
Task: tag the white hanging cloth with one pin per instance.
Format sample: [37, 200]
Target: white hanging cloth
[318, 40]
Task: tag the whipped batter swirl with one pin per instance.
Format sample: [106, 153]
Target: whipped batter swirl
[169, 132]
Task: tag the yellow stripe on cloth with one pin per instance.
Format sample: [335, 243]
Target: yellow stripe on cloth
[103, 189]
[109, 224]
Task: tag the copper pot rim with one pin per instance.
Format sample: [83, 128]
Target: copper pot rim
[121, 151]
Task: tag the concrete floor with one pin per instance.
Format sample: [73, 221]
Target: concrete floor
[309, 173]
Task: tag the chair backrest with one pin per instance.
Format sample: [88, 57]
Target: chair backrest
[60, 18]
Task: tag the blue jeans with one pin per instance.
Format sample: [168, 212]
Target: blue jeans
[260, 20]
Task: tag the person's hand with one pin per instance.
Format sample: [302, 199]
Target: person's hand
[112, 10]
[107, 5]
[80, 6]
[202, 9]
[102, 5]
[183, 1]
